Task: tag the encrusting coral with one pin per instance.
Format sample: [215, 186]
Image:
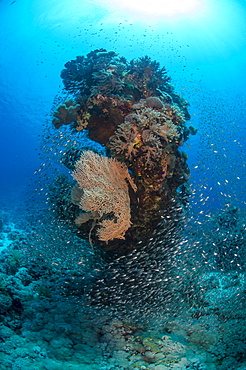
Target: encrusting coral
[131, 109]
[65, 114]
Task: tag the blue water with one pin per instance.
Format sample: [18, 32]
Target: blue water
[204, 52]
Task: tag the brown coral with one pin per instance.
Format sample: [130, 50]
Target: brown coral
[65, 114]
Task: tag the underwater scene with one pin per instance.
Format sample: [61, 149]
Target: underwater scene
[122, 202]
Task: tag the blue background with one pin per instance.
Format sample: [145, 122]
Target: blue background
[204, 52]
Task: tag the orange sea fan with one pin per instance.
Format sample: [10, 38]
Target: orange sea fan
[105, 193]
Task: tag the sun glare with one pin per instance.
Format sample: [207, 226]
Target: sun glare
[157, 8]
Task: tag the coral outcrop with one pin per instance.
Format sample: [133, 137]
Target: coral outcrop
[133, 111]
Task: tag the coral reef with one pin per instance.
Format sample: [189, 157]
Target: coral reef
[131, 109]
[45, 324]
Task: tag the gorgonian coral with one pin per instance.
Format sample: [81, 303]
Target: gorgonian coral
[102, 192]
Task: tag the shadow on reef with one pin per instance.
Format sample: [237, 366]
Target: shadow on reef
[132, 110]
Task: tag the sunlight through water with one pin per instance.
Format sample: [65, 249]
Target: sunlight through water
[157, 8]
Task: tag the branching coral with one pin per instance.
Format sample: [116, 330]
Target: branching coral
[65, 114]
[105, 195]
